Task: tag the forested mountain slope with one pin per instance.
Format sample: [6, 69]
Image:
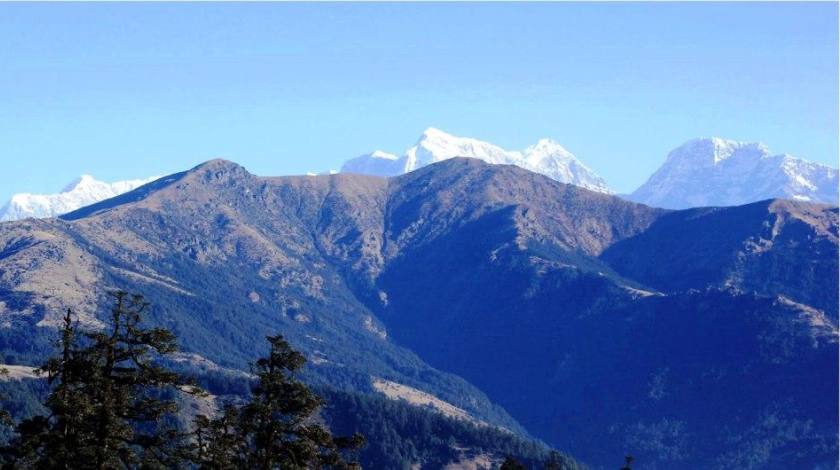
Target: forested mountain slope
[603, 326]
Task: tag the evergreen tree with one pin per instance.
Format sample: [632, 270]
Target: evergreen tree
[276, 429]
[511, 464]
[5, 417]
[218, 443]
[105, 406]
[555, 461]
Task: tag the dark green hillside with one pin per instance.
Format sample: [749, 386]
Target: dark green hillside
[770, 247]
[605, 327]
[227, 260]
[398, 435]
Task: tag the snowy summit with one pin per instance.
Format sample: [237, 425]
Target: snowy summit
[546, 157]
[82, 191]
[720, 172]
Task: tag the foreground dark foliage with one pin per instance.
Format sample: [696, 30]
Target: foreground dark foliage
[111, 406]
[105, 409]
[401, 435]
[276, 429]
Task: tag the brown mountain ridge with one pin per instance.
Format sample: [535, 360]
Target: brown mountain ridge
[601, 325]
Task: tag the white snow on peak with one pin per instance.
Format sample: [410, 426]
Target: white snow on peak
[712, 151]
[322, 173]
[546, 157]
[435, 146]
[81, 182]
[82, 191]
[720, 172]
[383, 155]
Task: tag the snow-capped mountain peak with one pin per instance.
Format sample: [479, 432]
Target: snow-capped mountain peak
[712, 151]
[383, 155]
[720, 172]
[434, 145]
[80, 192]
[80, 183]
[547, 149]
[546, 142]
[435, 133]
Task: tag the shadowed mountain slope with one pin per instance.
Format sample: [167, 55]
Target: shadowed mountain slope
[774, 247]
[227, 258]
[603, 326]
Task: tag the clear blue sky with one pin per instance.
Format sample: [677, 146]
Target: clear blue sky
[131, 90]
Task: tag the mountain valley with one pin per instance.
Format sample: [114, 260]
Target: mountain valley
[598, 325]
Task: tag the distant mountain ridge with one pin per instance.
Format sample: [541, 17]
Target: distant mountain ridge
[81, 192]
[244, 226]
[720, 172]
[601, 325]
[546, 157]
[700, 173]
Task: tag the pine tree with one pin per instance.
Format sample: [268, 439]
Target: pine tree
[55, 441]
[105, 405]
[5, 417]
[511, 464]
[218, 443]
[276, 429]
[555, 461]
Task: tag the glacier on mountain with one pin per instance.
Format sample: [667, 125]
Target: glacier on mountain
[546, 157]
[720, 172]
[82, 191]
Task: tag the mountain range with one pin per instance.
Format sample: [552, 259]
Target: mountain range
[82, 191]
[546, 157]
[699, 173]
[719, 172]
[703, 338]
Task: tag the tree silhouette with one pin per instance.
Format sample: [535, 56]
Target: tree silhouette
[554, 462]
[276, 429]
[106, 409]
[511, 464]
[5, 417]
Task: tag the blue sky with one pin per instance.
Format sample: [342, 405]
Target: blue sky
[132, 90]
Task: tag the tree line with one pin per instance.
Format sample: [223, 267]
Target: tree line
[111, 406]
